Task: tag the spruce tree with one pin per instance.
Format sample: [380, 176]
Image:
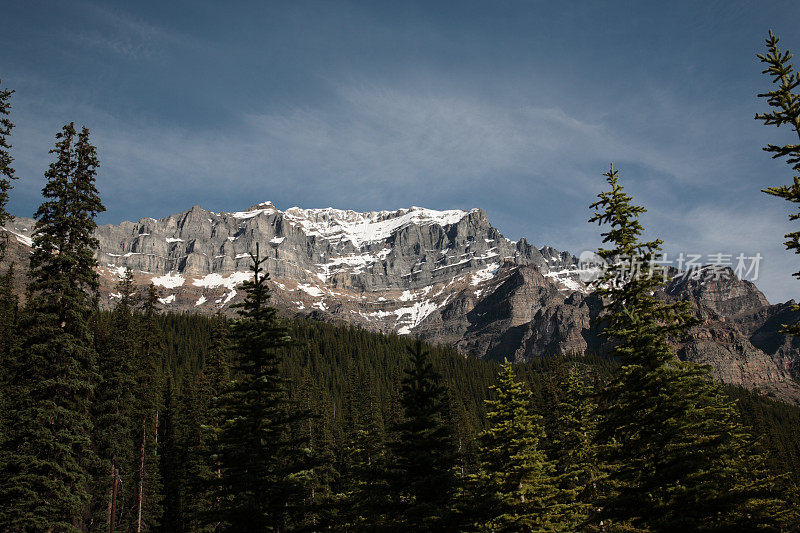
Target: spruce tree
[204, 470]
[9, 340]
[682, 458]
[6, 171]
[9, 315]
[148, 368]
[514, 489]
[45, 481]
[264, 470]
[361, 500]
[422, 479]
[8, 301]
[785, 103]
[113, 409]
[580, 473]
[320, 432]
[172, 461]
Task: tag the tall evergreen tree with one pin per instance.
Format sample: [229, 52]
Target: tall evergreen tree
[204, 469]
[9, 314]
[785, 103]
[514, 489]
[361, 498]
[320, 432]
[8, 301]
[682, 457]
[149, 371]
[45, 483]
[173, 461]
[423, 471]
[6, 171]
[264, 470]
[9, 339]
[113, 411]
[580, 472]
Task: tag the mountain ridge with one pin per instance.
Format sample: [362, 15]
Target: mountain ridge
[447, 276]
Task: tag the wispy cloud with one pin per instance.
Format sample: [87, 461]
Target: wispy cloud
[123, 34]
[373, 146]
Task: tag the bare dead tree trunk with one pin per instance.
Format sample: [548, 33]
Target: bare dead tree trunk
[141, 476]
[110, 497]
[114, 501]
[155, 444]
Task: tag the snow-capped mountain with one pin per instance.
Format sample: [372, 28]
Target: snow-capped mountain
[447, 276]
[387, 270]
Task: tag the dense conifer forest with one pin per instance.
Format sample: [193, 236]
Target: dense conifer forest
[349, 380]
[139, 420]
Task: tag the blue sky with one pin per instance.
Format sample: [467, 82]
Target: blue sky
[514, 107]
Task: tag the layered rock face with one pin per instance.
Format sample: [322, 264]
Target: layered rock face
[447, 276]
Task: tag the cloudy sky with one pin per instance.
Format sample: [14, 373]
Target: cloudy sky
[515, 107]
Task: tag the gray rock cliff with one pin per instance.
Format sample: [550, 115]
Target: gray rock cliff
[447, 276]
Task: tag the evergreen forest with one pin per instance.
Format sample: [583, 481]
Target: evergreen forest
[136, 419]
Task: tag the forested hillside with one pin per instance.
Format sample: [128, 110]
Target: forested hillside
[349, 379]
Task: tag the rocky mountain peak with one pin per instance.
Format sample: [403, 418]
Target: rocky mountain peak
[446, 275]
[717, 288]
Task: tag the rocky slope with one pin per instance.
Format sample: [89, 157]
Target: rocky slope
[447, 276]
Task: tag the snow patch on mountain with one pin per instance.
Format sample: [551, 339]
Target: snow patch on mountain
[571, 279]
[24, 239]
[411, 317]
[488, 255]
[212, 281]
[228, 298]
[264, 208]
[315, 292]
[118, 270]
[406, 296]
[168, 281]
[407, 318]
[354, 264]
[336, 225]
[484, 274]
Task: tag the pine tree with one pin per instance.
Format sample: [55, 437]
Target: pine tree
[264, 470]
[514, 489]
[361, 500]
[682, 459]
[580, 473]
[785, 102]
[173, 461]
[9, 315]
[204, 470]
[9, 349]
[113, 413]
[149, 372]
[8, 301]
[45, 482]
[423, 471]
[466, 437]
[6, 171]
[319, 431]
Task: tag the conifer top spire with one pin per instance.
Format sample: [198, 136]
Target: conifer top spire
[6, 171]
